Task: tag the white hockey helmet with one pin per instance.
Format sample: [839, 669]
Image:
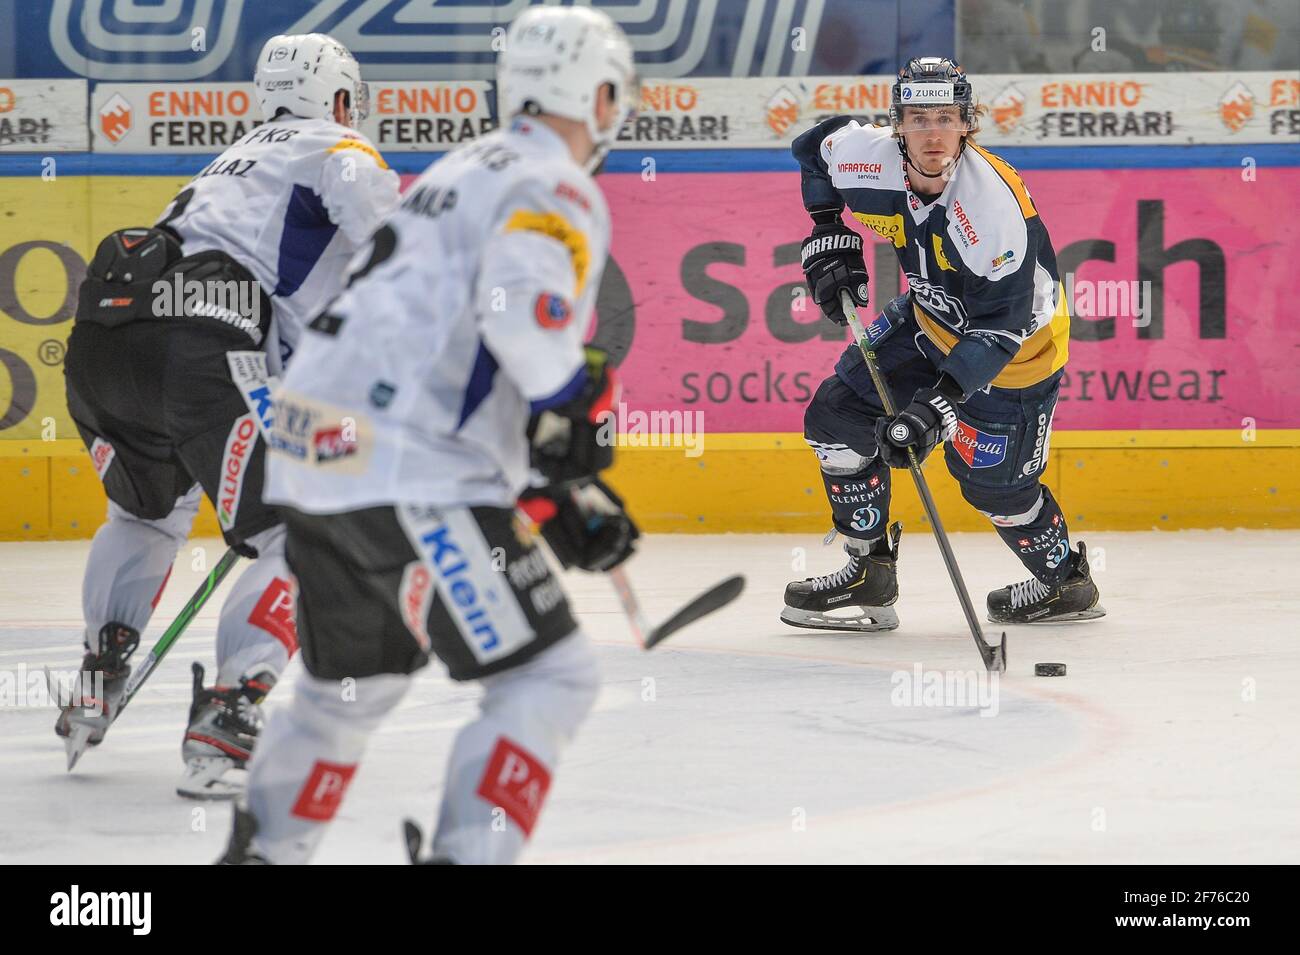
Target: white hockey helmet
[554, 61]
[301, 73]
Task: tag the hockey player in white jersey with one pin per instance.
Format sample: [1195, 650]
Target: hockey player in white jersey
[402, 443]
[178, 328]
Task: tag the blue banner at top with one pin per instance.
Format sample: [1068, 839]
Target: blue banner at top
[215, 40]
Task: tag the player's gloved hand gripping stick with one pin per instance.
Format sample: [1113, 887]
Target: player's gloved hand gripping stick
[587, 521]
[995, 658]
[77, 741]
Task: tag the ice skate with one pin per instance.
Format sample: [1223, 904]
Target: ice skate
[224, 724]
[857, 597]
[239, 850]
[100, 687]
[1031, 601]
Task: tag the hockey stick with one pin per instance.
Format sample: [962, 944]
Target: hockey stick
[715, 598]
[79, 739]
[995, 658]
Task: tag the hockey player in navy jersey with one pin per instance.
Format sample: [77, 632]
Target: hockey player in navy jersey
[417, 408]
[973, 351]
[179, 330]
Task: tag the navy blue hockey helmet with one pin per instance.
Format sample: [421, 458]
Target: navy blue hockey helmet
[930, 81]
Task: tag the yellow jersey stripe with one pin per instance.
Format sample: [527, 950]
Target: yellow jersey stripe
[555, 226]
[1012, 179]
[370, 151]
[1041, 355]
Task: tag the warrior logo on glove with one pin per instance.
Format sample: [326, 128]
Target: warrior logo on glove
[832, 262]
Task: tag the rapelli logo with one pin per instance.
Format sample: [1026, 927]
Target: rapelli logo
[978, 448]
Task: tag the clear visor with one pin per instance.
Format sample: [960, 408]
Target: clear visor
[361, 101]
[630, 99]
[920, 121]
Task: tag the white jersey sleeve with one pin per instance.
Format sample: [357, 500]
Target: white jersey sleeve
[535, 276]
[465, 316]
[291, 201]
[356, 186]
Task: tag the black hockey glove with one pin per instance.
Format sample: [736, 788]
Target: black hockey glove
[832, 261]
[928, 421]
[574, 441]
[585, 526]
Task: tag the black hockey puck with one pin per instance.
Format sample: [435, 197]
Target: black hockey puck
[1049, 669]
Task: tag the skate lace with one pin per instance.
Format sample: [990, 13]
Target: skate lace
[1027, 592]
[232, 712]
[840, 577]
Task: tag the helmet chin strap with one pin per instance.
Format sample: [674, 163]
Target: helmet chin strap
[902, 148]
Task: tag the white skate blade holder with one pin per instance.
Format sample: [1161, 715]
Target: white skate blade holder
[212, 777]
[866, 620]
[1092, 613]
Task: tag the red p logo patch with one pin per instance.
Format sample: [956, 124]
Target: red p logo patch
[323, 792]
[517, 782]
[274, 613]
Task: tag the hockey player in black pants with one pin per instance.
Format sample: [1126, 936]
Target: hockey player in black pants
[403, 437]
[170, 392]
[973, 351]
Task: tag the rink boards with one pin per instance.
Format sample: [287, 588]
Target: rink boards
[1177, 416]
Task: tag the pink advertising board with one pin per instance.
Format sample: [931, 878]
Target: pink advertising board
[700, 304]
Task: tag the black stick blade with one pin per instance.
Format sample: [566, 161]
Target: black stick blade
[413, 837]
[995, 658]
[715, 598]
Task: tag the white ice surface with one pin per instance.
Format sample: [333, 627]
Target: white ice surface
[1174, 738]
